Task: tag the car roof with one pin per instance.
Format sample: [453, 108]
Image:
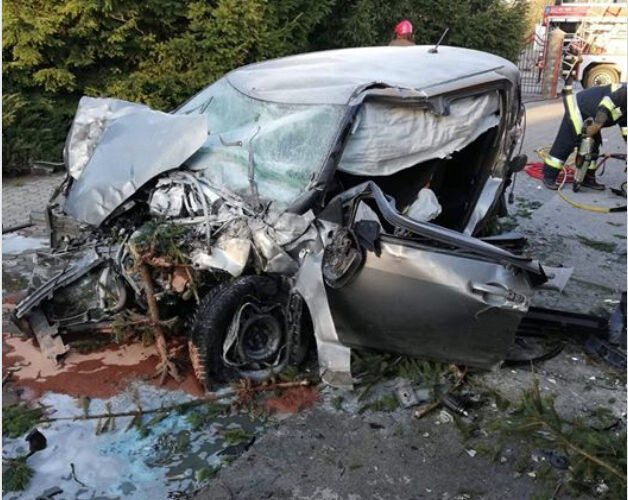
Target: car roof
[335, 76]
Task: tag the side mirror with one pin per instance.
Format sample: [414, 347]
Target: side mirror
[517, 163]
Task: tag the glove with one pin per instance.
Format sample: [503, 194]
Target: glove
[593, 129]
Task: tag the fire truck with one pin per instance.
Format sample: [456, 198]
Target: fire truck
[599, 30]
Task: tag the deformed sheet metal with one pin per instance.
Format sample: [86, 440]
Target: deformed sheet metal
[47, 336]
[230, 255]
[557, 278]
[334, 359]
[440, 305]
[133, 149]
[335, 76]
[91, 119]
[441, 234]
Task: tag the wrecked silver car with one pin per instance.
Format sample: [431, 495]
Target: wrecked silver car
[336, 198]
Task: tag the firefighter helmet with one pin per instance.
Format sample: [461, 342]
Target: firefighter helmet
[403, 28]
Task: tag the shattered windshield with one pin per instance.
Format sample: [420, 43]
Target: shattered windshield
[257, 147]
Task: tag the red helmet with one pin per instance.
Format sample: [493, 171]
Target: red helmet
[403, 28]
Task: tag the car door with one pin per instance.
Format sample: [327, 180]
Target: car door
[416, 300]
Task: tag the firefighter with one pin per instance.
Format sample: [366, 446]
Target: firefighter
[403, 34]
[607, 106]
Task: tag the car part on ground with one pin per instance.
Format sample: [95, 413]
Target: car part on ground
[543, 332]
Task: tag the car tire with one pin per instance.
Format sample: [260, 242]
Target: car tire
[210, 323]
[600, 75]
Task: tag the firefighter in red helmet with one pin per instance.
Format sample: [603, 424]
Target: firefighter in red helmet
[403, 34]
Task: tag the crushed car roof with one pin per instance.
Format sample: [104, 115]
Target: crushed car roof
[335, 76]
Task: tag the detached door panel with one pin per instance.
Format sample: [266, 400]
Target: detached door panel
[420, 302]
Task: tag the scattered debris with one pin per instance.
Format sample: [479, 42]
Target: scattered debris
[292, 400]
[73, 475]
[50, 493]
[444, 417]
[583, 445]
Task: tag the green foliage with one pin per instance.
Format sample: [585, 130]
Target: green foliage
[495, 26]
[595, 449]
[16, 475]
[161, 52]
[386, 403]
[370, 367]
[601, 246]
[204, 473]
[18, 419]
[236, 436]
[161, 240]
[33, 128]
[205, 415]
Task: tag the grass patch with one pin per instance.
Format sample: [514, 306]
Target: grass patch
[600, 246]
[204, 473]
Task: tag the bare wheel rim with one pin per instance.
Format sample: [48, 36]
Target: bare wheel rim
[602, 79]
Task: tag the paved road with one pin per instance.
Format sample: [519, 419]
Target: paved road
[22, 195]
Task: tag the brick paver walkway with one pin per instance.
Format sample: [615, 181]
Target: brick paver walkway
[22, 195]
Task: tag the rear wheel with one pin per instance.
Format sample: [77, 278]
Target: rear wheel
[600, 75]
[249, 327]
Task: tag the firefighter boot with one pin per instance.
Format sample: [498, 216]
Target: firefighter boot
[550, 174]
[590, 182]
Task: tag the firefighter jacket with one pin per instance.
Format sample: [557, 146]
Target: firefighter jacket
[607, 105]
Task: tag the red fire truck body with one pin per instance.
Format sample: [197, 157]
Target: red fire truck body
[600, 30]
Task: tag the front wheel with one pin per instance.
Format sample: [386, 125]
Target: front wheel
[249, 327]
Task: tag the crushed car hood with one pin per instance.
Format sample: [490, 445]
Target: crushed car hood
[115, 147]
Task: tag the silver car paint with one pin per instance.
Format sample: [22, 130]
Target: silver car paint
[420, 302]
[133, 149]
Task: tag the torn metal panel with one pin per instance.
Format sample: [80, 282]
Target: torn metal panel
[334, 359]
[133, 149]
[91, 118]
[63, 278]
[441, 234]
[229, 254]
[47, 336]
[276, 259]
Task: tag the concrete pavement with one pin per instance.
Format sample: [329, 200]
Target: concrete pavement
[23, 195]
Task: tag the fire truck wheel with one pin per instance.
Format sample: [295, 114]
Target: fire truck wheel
[600, 75]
